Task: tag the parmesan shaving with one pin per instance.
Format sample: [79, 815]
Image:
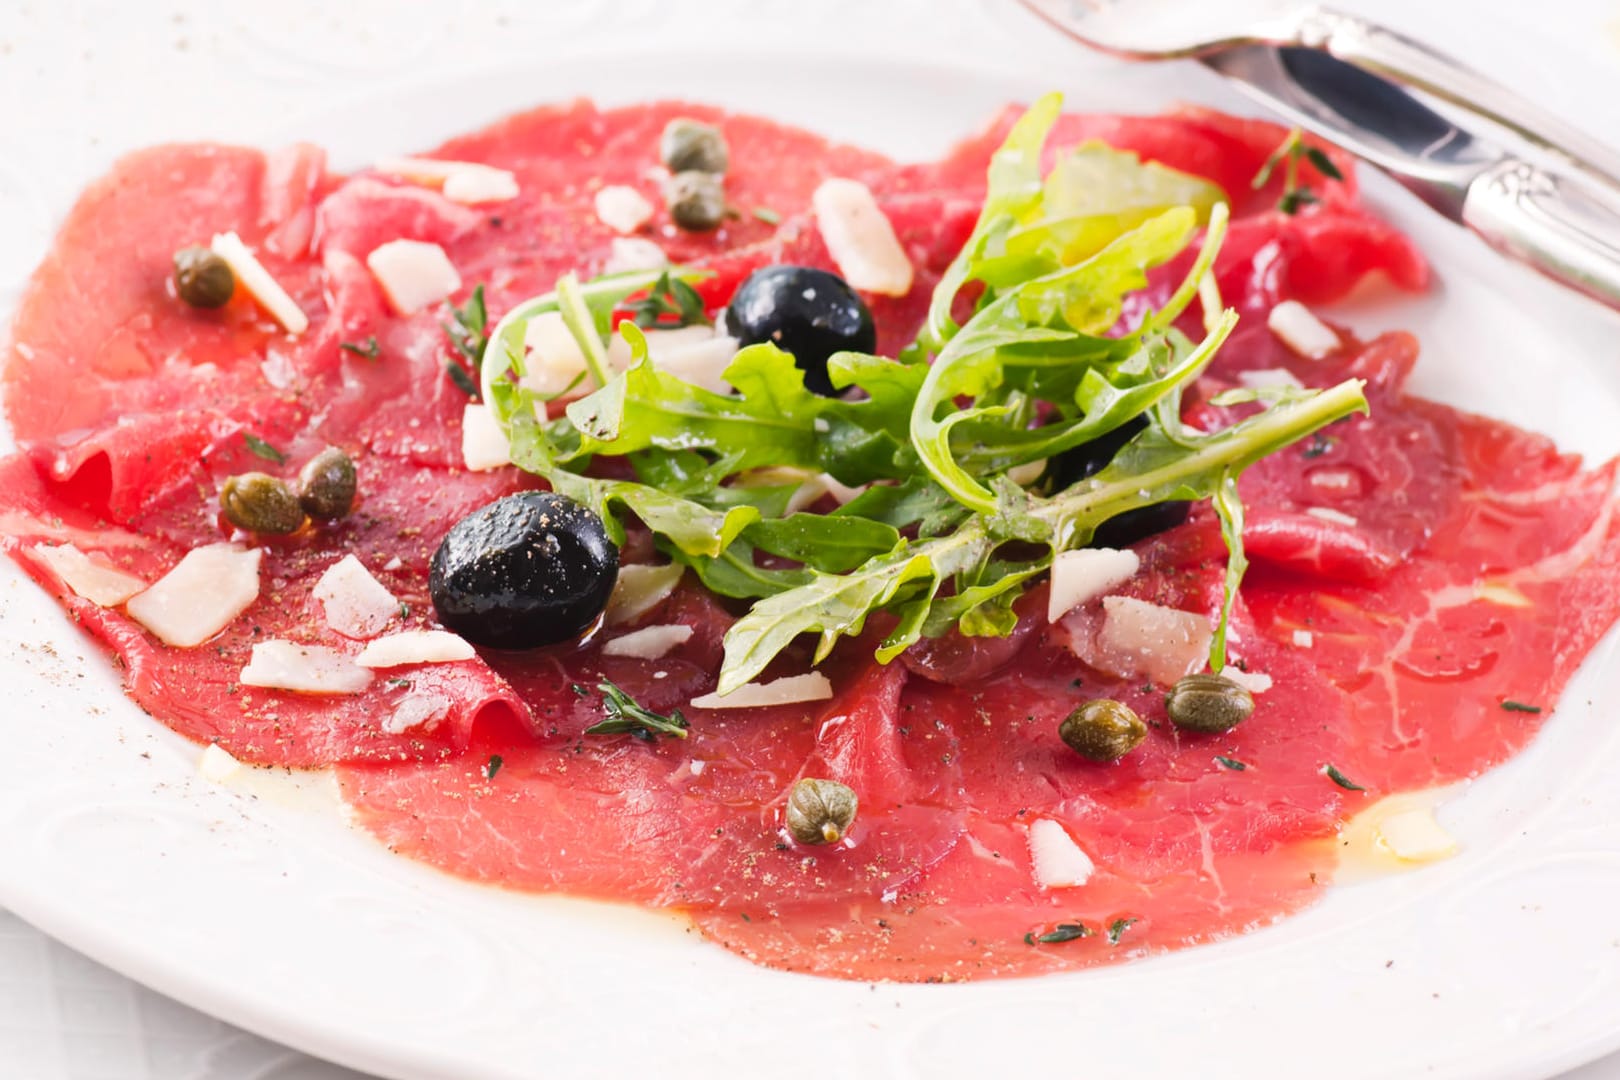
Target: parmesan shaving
[216, 765]
[415, 647]
[860, 238]
[253, 277]
[622, 208]
[1300, 330]
[648, 643]
[1083, 575]
[639, 589]
[483, 443]
[207, 589]
[413, 274]
[795, 688]
[1057, 861]
[356, 604]
[306, 669]
[88, 577]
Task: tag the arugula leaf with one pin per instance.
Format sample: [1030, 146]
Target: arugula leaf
[1229, 508]
[1149, 469]
[626, 717]
[771, 421]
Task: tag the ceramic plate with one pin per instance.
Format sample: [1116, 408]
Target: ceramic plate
[257, 902]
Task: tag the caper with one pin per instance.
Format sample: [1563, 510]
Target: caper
[697, 200]
[202, 278]
[688, 144]
[1102, 730]
[1209, 704]
[820, 811]
[326, 485]
[260, 503]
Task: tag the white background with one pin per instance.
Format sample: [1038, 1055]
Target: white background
[81, 82]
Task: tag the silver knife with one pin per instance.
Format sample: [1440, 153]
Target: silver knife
[1560, 219]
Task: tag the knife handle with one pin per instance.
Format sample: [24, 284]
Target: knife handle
[1395, 56]
[1561, 224]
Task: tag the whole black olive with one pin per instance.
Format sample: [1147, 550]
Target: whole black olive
[531, 569]
[1087, 459]
[808, 312]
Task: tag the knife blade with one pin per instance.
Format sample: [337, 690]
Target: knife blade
[1371, 117]
[1563, 222]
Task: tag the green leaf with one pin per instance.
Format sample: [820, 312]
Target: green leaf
[832, 605]
[735, 573]
[770, 421]
[262, 449]
[1509, 705]
[1064, 932]
[1117, 928]
[833, 543]
[467, 328]
[1231, 763]
[1332, 772]
[692, 527]
[458, 375]
[493, 766]
[1324, 164]
[368, 349]
[626, 717]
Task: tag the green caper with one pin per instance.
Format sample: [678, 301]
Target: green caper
[260, 503]
[326, 485]
[688, 144]
[697, 200]
[820, 811]
[1102, 730]
[202, 278]
[1209, 704]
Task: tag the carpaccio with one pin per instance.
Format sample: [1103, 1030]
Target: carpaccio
[1468, 563]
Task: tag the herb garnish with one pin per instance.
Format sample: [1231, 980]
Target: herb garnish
[669, 304]
[492, 766]
[1510, 705]
[263, 449]
[1231, 763]
[767, 215]
[1289, 153]
[369, 349]
[1058, 935]
[468, 331]
[468, 328]
[1117, 928]
[626, 717]
[458, 375]
[1342, 780]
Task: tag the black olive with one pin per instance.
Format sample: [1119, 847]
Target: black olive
[528, 570]
[201, 278]
[808, 312]
[1087, 459]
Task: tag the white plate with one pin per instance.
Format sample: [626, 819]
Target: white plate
[256, 903]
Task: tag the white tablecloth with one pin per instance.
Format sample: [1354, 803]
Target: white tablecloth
[83, 81]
